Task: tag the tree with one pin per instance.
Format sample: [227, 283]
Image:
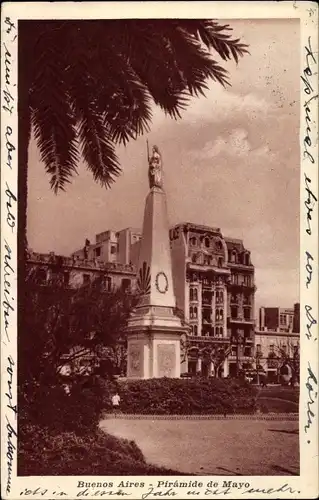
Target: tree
[69, 326]
[218, 355]
[90, 84]
[86, 86]
[289, 355]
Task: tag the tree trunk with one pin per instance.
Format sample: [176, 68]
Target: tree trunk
[24, 128]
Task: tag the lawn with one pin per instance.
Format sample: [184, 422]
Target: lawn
[280, 392]
[215, 447]
[278, 399]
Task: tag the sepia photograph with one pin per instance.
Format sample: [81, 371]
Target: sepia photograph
[158, 252]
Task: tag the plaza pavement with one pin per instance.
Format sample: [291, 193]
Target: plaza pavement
[214, 447]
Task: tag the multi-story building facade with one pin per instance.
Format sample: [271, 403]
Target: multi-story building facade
[77, 270]
[213, 281]
[276, 319]
[111, 246]
[277, 340]
[215, 288]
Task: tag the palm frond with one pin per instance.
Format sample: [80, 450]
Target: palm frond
[97, 149]
[92, 83]
[52, 120]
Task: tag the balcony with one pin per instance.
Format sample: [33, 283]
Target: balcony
[241, 320]
[240, 265]
[233, 357]
[208, 340]
[207, 286]
[76, 262]
[207, 303]
[234, 302]
[243, 286]
[206, 323]
[208, 267]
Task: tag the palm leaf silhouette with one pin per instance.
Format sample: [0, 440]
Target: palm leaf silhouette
[144, 279]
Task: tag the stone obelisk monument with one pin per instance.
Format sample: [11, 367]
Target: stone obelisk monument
[154, 330]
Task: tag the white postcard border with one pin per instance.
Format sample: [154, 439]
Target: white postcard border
[303, 486]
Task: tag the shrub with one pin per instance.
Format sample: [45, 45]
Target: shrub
[45, 452]
[187, 396]
[78, 411]
[59, 435]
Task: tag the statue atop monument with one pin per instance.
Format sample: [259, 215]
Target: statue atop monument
[155, 170]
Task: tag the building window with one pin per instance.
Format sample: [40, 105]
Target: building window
[113, 249]
[86, 279]
[195, 312]
[247, 300]
[207, 260]
[193, 241]
[219, 297]
[233, 298]
[191, 313]
[247, 313]
[108, 283]
[233, 256]
[233, 350]
[247, 280]
[234, 312]
[125, 284]
[221, 331]
[207, 242]
[258, 348]
[193, 294]
[282, 319]
[220, 262]
[247, 351]
[247, 259]
[195, 330]
[192, 365]
[97, 252]
[219, 314]
[41, 276]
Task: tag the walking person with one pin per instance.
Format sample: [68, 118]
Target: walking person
[116, 403]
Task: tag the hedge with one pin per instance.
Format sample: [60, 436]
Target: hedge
[166, 396]
[43, 452]
[59, 434]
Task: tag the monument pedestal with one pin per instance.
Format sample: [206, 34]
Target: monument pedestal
[153, 349]
[153, 355]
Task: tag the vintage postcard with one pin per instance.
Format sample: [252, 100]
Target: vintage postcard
[159, 250]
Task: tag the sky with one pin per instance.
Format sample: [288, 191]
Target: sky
[231, 162]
